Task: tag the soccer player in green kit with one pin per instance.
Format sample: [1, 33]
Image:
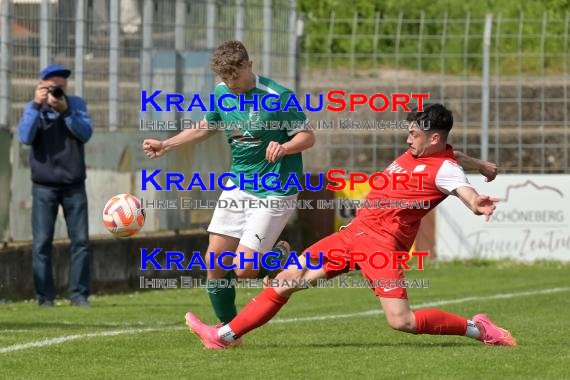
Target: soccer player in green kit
[254, 150]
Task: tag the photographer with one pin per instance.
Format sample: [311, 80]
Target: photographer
[57, 126]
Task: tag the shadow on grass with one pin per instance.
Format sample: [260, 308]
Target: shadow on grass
[142, 305]
[416, 344]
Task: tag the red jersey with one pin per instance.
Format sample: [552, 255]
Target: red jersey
[398, 226]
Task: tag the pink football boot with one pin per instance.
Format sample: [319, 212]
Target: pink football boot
[207, 334]
[492, 334]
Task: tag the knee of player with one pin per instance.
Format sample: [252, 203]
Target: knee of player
[400, 322]
[245, 273]
[211, 258]
[209, 261]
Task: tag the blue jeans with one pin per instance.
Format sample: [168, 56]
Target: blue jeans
[46, 201]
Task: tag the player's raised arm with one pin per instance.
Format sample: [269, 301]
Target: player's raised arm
[478, 203]
[451, 179]
[156, 148]
[486, 168]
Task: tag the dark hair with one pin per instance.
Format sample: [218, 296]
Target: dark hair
[434, 116]
[229, 57]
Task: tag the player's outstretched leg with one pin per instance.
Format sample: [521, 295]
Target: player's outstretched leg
[439, 322]
[258, 312]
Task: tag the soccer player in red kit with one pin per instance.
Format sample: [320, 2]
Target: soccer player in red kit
[386, 230]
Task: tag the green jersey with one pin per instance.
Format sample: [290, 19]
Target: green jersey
[249, 132]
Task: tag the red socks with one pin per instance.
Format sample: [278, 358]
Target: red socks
[258, 312]
[268, 303]
[438, 322]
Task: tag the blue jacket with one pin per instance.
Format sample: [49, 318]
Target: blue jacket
[57, 157]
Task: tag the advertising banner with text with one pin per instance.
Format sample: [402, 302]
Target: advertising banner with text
[531, 221]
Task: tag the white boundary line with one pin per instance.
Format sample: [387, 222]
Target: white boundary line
[63, 339]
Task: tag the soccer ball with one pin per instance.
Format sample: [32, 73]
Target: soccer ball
[123, 215]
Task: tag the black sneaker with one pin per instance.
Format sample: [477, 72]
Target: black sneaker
[80, 302]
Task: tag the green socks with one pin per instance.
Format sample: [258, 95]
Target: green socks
[223, 300]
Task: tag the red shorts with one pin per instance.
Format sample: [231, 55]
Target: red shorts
[357, 239]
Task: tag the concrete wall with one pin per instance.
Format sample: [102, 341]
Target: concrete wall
[115, 264]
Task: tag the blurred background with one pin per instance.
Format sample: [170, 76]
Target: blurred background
[501, 66]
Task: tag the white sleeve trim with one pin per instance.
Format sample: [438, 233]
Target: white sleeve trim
[303, 126]
[450, 177]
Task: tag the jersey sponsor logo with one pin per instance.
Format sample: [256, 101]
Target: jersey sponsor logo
[243, 138]
[395, 168]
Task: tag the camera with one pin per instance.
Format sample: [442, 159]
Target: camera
[56, 92]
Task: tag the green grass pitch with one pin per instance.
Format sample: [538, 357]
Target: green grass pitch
[143, 335]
